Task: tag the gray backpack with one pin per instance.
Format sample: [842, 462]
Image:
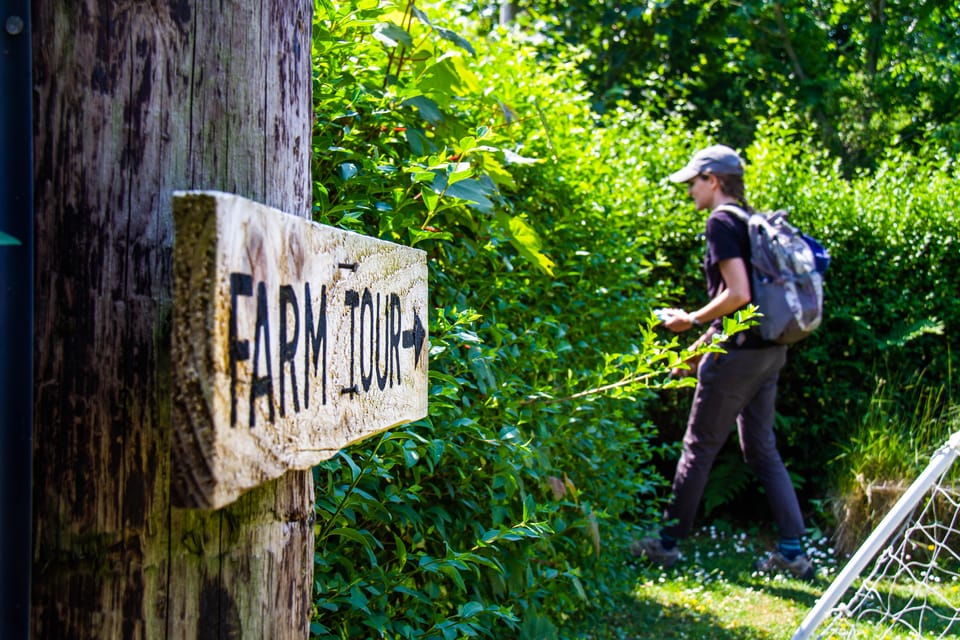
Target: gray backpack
[787, 282]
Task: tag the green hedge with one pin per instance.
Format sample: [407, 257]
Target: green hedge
[890, 291]
[503, 513]
[890, 312]
[551, 234]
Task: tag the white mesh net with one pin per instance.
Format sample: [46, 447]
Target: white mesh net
[913, 586]
[912, 589]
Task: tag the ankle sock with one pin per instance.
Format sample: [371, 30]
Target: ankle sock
[667, 541]
[790, 548]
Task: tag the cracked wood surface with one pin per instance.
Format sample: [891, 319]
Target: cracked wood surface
[133, 101]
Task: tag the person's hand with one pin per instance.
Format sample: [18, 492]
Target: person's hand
[676, 320]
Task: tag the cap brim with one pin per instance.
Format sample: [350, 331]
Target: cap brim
[684, 175]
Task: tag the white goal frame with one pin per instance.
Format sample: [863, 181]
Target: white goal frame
[939, 464]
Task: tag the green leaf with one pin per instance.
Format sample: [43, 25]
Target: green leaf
[527, 242]
[430, 198]
[454, 574]
[475, 192]
[449, 76]
[456, 39]
[419, 595]
[428, 109]
[500, 176]
[457, 171]
[400, 550]
[355, 470]
[419, 143]
[410, 457]
[421, 16]
[391, 35]
[537, 626]
[420, 235]
[348, 170]
[358, 600]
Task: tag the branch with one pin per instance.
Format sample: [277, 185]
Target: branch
[787, 44]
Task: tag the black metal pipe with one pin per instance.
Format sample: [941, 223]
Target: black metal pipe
[16, 317]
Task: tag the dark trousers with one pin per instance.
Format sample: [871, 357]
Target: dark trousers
[740, 387]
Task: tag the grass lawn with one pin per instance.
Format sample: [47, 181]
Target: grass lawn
[713, 592]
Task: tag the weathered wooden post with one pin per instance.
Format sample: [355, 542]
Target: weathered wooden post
[133, 101]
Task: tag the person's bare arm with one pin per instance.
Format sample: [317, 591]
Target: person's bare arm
[734, 295]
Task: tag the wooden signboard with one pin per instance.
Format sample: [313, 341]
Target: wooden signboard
[291, 340]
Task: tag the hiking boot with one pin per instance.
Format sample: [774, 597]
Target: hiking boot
[800, 567]
[652, 549]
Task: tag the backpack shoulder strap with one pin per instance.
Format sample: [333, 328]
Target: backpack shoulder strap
[736, 210]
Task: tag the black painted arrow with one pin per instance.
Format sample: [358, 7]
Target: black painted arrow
[414, 338]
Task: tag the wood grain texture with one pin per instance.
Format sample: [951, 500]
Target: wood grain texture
[291, 340]
[133, 101]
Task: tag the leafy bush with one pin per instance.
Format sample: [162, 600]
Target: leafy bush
[551, 233]
[869, 74]
[889, 291]
[509, 507]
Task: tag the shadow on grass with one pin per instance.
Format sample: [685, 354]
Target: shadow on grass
[647, 618]
[713, 593]
[654, 621]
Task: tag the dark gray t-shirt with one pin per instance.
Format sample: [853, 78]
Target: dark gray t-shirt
[727, 238]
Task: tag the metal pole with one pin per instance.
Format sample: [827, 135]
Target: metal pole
[939, 464]
[508, 11]
[16, 317]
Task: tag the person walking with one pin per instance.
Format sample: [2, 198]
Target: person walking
[738, 386]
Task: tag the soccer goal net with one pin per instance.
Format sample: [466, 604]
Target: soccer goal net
[904, 580]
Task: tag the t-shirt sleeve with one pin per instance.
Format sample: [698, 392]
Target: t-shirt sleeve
[723, 238]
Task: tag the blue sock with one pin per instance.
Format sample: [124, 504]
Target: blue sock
[790, 548]
[667, 541]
